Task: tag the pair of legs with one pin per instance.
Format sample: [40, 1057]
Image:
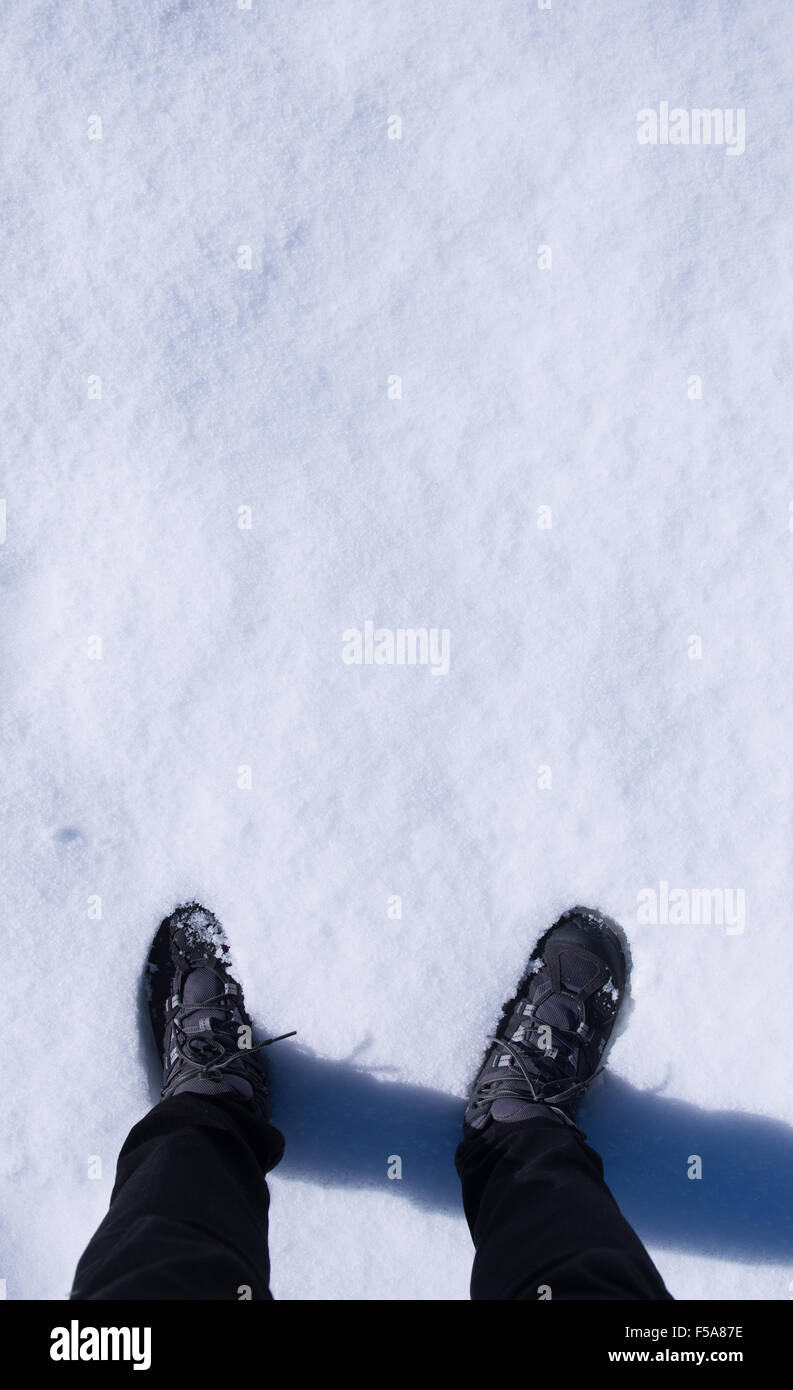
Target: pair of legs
[188, 1215]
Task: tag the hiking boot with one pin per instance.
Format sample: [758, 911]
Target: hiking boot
[202, 1029]
[552, 1035]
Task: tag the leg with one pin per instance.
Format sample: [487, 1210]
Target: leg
[188, 1213]
[543, 1220]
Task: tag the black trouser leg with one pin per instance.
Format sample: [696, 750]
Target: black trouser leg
[188, 1212]
[543, 1221]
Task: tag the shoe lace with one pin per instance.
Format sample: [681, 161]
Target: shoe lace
[542, 1091]
[218, 1057]
[530, 1083]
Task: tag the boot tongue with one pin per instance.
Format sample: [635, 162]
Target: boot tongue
[202, 984]
[558, 1010]
[509, 1110]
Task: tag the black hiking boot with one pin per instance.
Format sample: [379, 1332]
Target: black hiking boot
[552, 1035]
[201, 1027]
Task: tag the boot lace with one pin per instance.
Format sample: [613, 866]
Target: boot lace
[204, 1055]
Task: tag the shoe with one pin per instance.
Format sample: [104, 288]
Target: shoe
[202, 1029]
[550, 1042]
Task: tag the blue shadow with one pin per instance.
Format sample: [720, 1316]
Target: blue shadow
[342, 1123]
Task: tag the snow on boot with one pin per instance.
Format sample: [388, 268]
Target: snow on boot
[201, 1026]
[552, 1035]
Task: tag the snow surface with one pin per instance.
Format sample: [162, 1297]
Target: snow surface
[225, 387]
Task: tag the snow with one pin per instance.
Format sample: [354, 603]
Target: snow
[272, 388]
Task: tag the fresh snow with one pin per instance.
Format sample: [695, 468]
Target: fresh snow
[572, 646]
